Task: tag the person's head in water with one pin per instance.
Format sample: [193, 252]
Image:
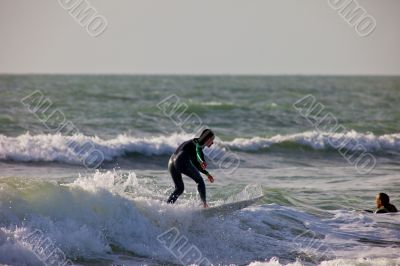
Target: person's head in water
[382, 200]
[383, 203]
[206, 138]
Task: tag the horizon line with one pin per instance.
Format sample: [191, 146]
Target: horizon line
[192, 74]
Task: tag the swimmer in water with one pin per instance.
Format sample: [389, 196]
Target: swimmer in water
[383, 204]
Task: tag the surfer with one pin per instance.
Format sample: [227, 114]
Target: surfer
[383, 204]
[188, 159]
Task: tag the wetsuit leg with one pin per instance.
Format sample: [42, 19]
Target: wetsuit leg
[177, 178]
[194, 174]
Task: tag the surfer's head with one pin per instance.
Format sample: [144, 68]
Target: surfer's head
[382, 200]
[206, 138]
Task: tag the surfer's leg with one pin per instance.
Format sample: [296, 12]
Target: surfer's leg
[194, 174]
[177, 178]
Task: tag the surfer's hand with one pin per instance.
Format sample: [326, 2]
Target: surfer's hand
[211, 178]
[203, 165]
[205, 205]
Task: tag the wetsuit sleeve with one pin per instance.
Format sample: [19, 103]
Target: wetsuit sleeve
[202, 158]
[198, 158]
[204, 171]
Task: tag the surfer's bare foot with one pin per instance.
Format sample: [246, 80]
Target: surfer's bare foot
[205, 205]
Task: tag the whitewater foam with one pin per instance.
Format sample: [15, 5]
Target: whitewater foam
[351, 140]
[100, 214]
[85, 219]
[336, 262]
[90, 216]
[56, 147]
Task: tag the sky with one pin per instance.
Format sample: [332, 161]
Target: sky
[261, 37]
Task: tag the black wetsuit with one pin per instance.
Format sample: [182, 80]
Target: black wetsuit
[187, 160]
[386, 209]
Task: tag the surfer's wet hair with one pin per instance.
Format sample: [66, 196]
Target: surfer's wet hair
[384, 198]
[205, 135]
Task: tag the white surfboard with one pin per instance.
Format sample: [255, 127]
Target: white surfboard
[229, 207]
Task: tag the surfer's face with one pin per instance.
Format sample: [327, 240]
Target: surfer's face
[210, 142]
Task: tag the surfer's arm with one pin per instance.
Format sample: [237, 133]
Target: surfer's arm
[200, 162]
[210, 177]
[200, 168]
[204, 171]
[203, 166]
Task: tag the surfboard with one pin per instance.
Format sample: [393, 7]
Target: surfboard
[229, 207]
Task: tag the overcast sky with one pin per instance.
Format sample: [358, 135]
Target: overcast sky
[199, 37]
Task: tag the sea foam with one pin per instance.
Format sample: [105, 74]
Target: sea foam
[57, 148]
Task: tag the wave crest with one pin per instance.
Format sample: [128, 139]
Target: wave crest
[68, 149]
[352, 141]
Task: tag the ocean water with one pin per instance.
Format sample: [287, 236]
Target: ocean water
[83, 170]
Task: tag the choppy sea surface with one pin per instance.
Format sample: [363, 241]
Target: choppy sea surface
[83, 170]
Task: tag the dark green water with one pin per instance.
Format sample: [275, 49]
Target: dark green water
[312, 188]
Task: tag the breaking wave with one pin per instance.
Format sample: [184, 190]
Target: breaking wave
[71, 149]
